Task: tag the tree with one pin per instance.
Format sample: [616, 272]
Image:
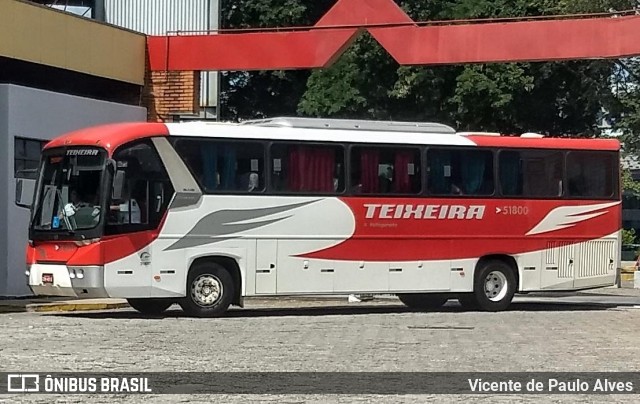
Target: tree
[626, 85]
[559, 98]
[261, 94]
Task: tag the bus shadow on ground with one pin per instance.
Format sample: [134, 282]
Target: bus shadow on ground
[343, 310]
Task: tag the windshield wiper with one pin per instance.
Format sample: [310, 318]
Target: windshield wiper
[40, 202]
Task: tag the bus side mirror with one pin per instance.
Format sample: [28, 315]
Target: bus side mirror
[118, 185]
[24, 192]
[25, 187]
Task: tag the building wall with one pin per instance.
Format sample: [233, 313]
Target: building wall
[38, 34]
[171, 17]
[38, 114]
[4, 179]
[169, 93]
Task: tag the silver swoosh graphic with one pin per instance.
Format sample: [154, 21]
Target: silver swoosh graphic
[223, 225]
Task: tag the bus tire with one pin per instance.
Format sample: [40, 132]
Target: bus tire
[423, 301]
[494, 286]
[210, 290]
[151, 307]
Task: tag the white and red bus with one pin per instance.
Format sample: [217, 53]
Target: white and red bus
[205, 214]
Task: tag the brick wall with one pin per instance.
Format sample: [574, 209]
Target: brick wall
[171, 93]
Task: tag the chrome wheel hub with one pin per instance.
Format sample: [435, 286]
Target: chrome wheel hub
[206, 290]
[495, 286]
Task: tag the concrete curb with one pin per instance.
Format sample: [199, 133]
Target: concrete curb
[62, 306]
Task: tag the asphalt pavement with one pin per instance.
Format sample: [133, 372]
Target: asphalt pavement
[593, 331]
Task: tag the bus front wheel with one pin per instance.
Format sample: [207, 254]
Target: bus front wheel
[423, 301]
[150, 307]
[209, 290]
[494, 286]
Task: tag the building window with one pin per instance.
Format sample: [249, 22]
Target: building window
[26, 154]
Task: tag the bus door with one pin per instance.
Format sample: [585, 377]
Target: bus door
[266, 266]
[139, 199]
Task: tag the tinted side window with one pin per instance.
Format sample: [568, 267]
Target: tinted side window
[146, 191]
[221, 166]
[385, 170]
[460, 172]
[532, 173]
[591, 174]
[307, 168]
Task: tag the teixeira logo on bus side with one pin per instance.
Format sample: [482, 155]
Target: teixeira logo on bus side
[401, 211]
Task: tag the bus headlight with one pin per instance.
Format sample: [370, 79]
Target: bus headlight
[76, 273]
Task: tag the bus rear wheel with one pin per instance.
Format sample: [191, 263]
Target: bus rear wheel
[210, 290]
[423, 301]
[494, 286]
[150, 307]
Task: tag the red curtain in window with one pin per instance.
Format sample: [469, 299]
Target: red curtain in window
[369, 161]
[295, 171]
[401, 178]
[311, 169]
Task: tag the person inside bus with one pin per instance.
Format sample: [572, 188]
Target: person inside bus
[386, 180]
[80, 211]
[254, 182]
[456, 190]
[128, 211]
[76, 200]
[75, 203]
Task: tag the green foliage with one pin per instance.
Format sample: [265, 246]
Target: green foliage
[246, 95]
[628, 184]
[627, 89]
[559, 98]
[628, 236]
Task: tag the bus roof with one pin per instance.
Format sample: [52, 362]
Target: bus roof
[111, 136]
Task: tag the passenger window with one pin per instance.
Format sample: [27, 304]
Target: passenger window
[460, 172]
[385, 170]
[145, 192]
[307, 168]
[531, 173]
[220, 166]
[591, 174]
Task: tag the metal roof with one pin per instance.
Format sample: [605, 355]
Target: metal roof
[353, 124]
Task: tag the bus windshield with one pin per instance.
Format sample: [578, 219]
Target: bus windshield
[68, 196]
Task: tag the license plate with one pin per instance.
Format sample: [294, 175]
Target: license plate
[47, 278]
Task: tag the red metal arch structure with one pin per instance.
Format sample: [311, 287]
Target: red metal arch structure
[408, 42]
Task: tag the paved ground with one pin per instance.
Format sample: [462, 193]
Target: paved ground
[599, 331]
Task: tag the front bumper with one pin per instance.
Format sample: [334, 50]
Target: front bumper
[78, 282]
